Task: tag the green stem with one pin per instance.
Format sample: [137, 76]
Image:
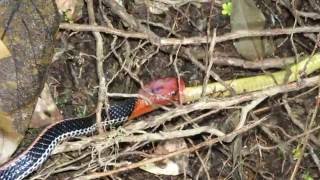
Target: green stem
[255, 83]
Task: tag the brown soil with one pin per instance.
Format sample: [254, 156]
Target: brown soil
[264, 152]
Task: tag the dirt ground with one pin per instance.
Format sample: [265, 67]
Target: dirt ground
[285, 145]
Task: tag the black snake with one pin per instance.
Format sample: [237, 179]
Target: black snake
[159, 92]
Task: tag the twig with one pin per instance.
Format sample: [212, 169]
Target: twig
[100, 71]
[237, 35]
[314, 5]
[193, 40]
[128, 18]
[311, 15]
[294, 138]
[314, 157]
[305, 140]
[209, 104]
[296, 122]
[244, 112]
[158, 120]
[264, 64]
[170, 135]
[178, 126]
[175, 66]
[60, 168]
[85, 142]
[203, 167]
[104, 29]
[210, 72]
[181, 151]
[246, 109]
[160, 25]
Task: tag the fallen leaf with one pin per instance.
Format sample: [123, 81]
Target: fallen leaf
[46, 111]
[70, 9]
[173, 166]
[162, 6]
[9, 138]
[23, 68]
[4, 51]
[246, 16]
[11, 144]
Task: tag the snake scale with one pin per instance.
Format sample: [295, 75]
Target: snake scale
[159, 92]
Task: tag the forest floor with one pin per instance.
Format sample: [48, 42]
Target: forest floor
[283, 145]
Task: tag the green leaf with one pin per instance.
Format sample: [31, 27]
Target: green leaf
[227, 9]
[246, 16]
[306, 176]
[296, 152]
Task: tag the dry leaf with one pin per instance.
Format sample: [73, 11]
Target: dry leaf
[11, 145]
[46, 111]
[246, 16]
[70, 9]
[4, 51]
[161, 6]
[173, 166]
[22, 72]
[9, 138]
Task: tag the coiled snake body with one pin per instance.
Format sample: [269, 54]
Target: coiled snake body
[164, 90]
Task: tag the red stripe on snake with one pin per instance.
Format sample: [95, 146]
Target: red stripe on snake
[159, 92]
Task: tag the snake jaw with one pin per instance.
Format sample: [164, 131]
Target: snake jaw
[159, 92]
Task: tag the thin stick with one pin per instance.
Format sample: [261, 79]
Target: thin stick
[182, 151]
[192, 40]
[131, 20]
[138, 138]
[100, 71]
[305, 140]
[85, 142]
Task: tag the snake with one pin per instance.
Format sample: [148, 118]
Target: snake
[295, 72]
[159, 92]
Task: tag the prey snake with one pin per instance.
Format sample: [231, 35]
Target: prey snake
[159, 92]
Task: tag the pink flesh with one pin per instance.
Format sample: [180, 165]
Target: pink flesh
[163, 91]
[159, 92]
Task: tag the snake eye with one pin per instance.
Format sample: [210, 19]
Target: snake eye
[156, 90]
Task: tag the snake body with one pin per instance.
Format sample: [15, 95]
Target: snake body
[165, 91]
[159, 92]
[39, 151]
[293, 73]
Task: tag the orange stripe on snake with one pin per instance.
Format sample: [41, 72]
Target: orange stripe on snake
[159, 92]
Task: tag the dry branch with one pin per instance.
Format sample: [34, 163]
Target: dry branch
[182, 151]
[158, 120]
[100, 71]
[192, 40]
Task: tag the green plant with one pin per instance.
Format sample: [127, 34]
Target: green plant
[67, 16]
[296, 152]
[62, 101]
[81, 111]
[63, 98]
[306, 176]
[227, 8]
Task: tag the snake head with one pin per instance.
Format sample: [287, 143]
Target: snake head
[159, 92]
[163, 91]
